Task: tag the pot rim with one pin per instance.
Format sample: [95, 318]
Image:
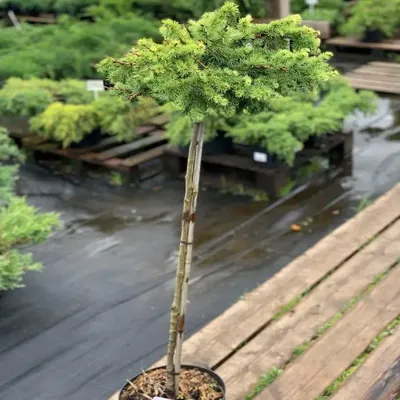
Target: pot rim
[186, 366]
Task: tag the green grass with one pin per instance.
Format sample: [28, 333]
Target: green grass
[333, 320]
[346, 374]
[364, 203]
[265, 381]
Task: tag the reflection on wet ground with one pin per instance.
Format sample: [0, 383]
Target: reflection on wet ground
[99, 311]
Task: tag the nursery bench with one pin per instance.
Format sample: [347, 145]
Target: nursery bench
[351, 42]
[378, 76]
[129, 158]
[313, 321]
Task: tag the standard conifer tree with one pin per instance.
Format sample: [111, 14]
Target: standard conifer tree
[219, 65]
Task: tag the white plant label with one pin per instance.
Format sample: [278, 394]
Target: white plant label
[159, 398]
[260, 157]
[312, 3]
[95, 85]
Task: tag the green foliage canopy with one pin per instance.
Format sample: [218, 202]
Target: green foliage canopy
[221, 64]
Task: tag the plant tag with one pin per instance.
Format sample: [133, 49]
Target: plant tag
[312, 2]
[95, 85]
[160, 398]
[260, 157]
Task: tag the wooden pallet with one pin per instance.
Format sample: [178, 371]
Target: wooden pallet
[127, 158]
[239, 168]
[377, 76]
[354, 43]
[42, 18]
[260, 332]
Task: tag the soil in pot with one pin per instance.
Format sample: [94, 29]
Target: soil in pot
[373, 36]
[221, 144]
[195, 383]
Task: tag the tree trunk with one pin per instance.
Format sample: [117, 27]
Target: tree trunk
[179, 305]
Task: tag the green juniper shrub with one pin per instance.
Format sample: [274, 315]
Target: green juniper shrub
[65, 123]
[30, 97]
[20, 223]
[68, 49]
[120, 118]
[372, 15]
[290, 121]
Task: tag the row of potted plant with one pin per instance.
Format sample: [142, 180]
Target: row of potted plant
[66, 112]
[368, 20]
[282, 129]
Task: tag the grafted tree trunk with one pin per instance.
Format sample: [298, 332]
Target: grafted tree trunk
[179, 305]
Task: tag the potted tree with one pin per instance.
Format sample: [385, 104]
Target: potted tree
[372, 20]
[221, 65]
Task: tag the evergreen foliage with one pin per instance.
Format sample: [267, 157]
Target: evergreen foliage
[221, 64]
[30, 97]
[120, 118]
[20, 223]
[65, 123]
[374, 15]
[69, 49]
[284, 128]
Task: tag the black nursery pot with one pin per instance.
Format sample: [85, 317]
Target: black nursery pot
[373, 36]
[89, 140]
[215, 376]
[259, 155]
[221, 144]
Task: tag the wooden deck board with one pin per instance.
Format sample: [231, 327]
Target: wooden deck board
[306, 378]
[378, 76]
[380, 360]
[343, 41]
[143, 157]
[155, 137]
[214, 342]
[273, 347]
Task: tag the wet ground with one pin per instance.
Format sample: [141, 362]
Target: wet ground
[98, 313]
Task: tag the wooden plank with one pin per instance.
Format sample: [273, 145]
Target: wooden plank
[160, 120]
[375, 86]
[385, 355]
[384, 64]
[155, 137]
[375, 78]
[393, 74]
[143, 157]
[390, 44]
[273, 347]
[387, 387]
[340, 346]
[213, 343]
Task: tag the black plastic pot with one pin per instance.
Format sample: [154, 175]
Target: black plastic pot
[314, 142]
[373, 36]
[221, 144]
[216, 377]
[89, 140]
[258, 154]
